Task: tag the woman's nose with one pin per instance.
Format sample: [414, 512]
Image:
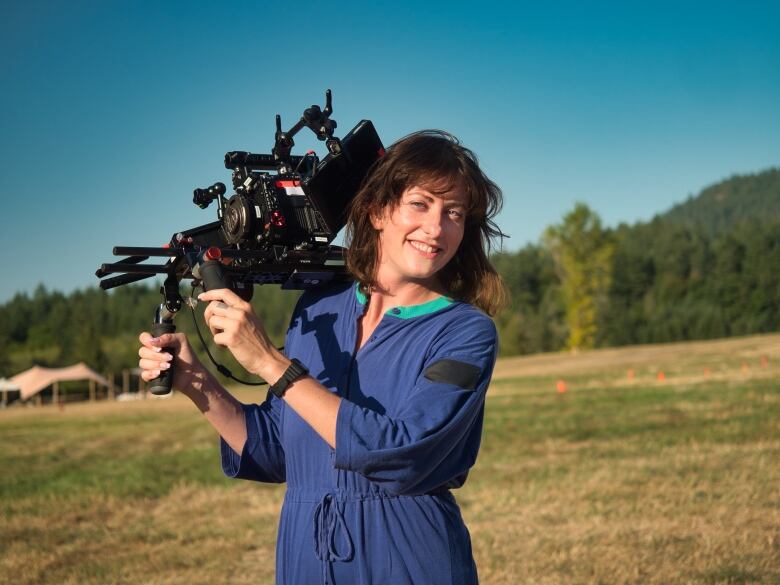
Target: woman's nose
[433, 224]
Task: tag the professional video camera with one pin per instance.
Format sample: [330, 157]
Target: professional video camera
[276, 228]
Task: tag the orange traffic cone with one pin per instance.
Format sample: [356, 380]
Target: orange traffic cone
[560, 386]
[661, 376]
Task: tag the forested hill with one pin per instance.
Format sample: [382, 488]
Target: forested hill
[721, 206]
[706, 268]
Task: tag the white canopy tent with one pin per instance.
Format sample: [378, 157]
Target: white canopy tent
[7, 387]
[32, 381]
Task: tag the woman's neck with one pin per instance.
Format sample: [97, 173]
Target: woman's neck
[386, 296]
[383, 298]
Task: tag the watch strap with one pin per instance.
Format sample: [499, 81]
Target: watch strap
[294, 371]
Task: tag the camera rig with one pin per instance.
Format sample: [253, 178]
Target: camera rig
[276, 228]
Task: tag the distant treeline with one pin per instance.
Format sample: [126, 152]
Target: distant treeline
[53, 329]
[667, 282]
[707, 268]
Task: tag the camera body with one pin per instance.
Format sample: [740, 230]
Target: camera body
[268, 210]
[301, 203]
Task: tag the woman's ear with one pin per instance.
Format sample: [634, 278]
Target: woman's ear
[378, 220]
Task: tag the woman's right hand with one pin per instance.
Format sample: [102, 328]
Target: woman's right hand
[154, 360]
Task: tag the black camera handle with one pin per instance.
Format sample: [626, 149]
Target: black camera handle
[163, 323]
[212, 276]
[163, 383]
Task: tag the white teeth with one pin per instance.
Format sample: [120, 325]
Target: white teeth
[424, 248]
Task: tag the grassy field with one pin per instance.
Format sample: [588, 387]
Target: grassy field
[623, 478]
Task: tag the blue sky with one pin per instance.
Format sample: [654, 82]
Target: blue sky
[112, 112]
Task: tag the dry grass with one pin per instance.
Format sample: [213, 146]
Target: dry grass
[668, 517]
[192, 535]
[693, 361]
[616, 481]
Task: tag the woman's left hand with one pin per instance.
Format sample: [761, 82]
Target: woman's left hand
[235, 325]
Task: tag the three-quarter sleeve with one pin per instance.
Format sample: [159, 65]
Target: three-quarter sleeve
[433, 438]
[262, 458]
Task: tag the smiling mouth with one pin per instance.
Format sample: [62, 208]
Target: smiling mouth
[424, 248]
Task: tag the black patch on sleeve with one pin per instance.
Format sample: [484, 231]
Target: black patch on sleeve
[454, 372]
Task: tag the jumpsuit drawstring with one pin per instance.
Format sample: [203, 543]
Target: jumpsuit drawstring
[328, 523]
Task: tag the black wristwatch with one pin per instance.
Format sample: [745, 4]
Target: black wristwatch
[295, 370]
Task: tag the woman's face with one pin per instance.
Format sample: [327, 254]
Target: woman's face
[420, 235]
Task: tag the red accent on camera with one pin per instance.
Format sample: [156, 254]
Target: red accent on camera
[278, 219]
[213, 253]
[288, 184]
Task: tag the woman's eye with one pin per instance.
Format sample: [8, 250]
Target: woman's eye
[418, 204]
[456, 214]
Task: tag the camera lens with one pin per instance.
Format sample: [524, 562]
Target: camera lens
[237, 219]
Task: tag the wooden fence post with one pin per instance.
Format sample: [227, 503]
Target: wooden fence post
[125, 381]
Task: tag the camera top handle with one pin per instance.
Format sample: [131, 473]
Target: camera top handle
[318, 121]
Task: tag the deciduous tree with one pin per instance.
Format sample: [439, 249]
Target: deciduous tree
[582, 250]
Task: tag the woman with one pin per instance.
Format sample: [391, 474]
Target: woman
[375, 412]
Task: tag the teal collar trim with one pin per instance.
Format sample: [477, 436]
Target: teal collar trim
[412, 311]
[359, 294]
[419, 310]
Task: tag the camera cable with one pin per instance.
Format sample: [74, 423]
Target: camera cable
[222, 369]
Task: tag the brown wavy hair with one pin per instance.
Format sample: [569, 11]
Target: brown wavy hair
[436, 161]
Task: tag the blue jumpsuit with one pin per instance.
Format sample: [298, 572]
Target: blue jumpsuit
[378, 507]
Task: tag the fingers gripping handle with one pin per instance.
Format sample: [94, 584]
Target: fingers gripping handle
[162, 384]
[213, 276]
